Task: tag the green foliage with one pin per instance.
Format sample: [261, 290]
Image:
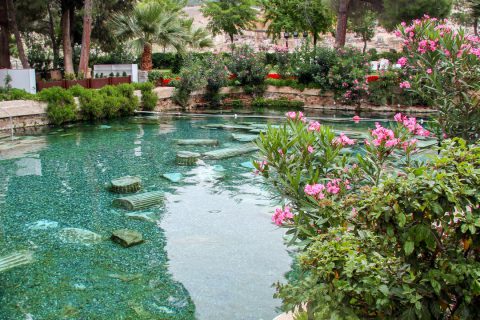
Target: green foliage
[292, 83]
[348, 76]
[229, 16]
[217, 77]
[386, 236]
[191, 78]
[69, 76]
[249, 68]
[396, 11]
[15, 94]
[315, 17]
[149, 98]
[60, 105]
[364, 23]
[313, 64]
[280, 104]
[155, 77]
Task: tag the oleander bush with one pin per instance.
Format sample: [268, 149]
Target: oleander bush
[249, 69]
[382, 234]
[445, 64]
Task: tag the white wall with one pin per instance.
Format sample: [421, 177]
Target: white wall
[106, 69]
[21, 79]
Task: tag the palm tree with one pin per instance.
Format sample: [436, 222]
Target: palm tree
[198, 38]
[151, 23]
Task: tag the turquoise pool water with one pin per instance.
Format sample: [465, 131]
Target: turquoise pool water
[210, 251]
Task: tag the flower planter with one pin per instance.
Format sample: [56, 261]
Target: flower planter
[99, 83]
[119, 80]
[48, 84]
[71, 83]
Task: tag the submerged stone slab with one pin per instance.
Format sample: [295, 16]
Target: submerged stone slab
[187, 158]
[173, 177]
[126, 237]
[146, 216]
[15, 259]
[244, 137]
[79, 236]
[139, 201]
[196, 142]
[42, 225]
[127, 184]
[230, 152]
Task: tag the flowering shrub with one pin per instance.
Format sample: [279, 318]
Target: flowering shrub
[446, 73]
[283, 61]
[249, 68]
[381, 235]
[348, 76]
[312, 65]
[217, 77]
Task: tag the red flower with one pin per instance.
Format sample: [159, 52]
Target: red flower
[233, 76]
[274, 76]
[372, 78]
[165, 82]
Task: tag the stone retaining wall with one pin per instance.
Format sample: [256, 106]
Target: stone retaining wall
[27, 113]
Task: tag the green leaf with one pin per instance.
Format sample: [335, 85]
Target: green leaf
[408, 247]
[401, 219]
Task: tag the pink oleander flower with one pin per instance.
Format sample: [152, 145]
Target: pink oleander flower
[356, 119]
[429, 71]
[402, 61]
[315, 190]
[343, 140]
[354, 212]
[310, 149]
[411, 144]
[280, 152]
[261, 166]
[333, 186]
[411, 124]
[405, 85]
[314, 126]
[295, 116]
[281, 215]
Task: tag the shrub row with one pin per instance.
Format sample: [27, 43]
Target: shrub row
[281, 103]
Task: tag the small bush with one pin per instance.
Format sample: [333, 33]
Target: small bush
[92, 104]
[149, 98]
[191, 78]
[15, 94]
[77, 90]
[61, 105]
[155, 76]
[249, 68]
[281, 103]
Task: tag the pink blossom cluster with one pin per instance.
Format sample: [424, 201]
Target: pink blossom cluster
[409, 144]
[295, 116]
[405, 85]
[280, 49]
[427, 45]
[402, 61]
[314, 126]
[281, 215]
[315, 190]
[411, 124]
[356, 119]
[318, 190]
[343, 140]
[383, 136]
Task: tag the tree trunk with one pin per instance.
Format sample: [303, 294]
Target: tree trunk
[146, 63]
[4, 37]
[13, 24]
[364, 46]
[315, 39]
[53, 37]
[87, 30]
[66, 38]
[342, 19]
[475, 26]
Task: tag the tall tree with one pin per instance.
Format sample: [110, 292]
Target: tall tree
[363, 22]
[313, 16]
[12, 19]
[66, 23]
[474, 6]
[4, 36]
[151, 23]
[231, 17]
[87, 30]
